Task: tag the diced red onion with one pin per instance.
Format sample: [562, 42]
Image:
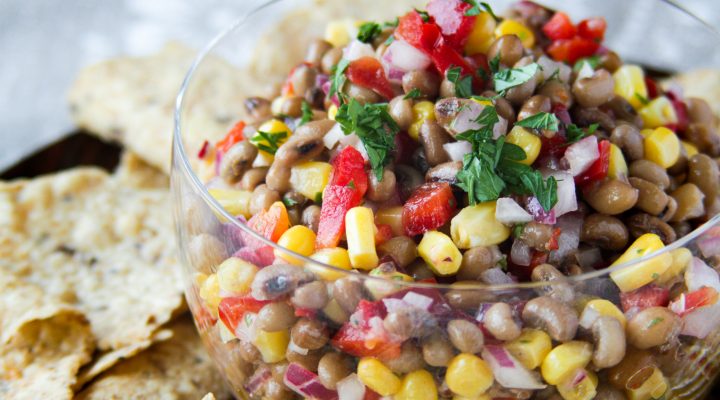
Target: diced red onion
[570, 226]
[357, 49]
[418, 300]
[246, 329]
[393, 305]
[326, 87]
[539, 213]
[509, 212]
[563, 115]
[581, 155]
[589, 258]
[500, 127]
[549, 67]
[255, 252]
[567, 197]
[495, 276]
[700, 274]
[395, 74]
[702, 321]
[465, 119]
[520, 253]
[351, 388]
[306, 383]
[482, 309]
[405, 57]
[258, 378]
[321, 80]
[709, 242]
[508, 371]
[457, 150]
[333, 136]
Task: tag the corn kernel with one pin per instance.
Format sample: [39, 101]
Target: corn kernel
[482, 35]
[630, 84]
[440, 253]
[339, 33]
[654, 387]
[299, 239]
[512, 27]
[263, 159]
[681, 258]
[564, 360]
[662, 147]
[236, 202]
[277, 104]
[468, 375]
[210, 294]
[640, 274]
[392, 217]
[527, 141]
[417, 385]
[310, 178]
[335, 313]
[236, 275]
[606, 308]
[422, 111]
[477, 226]
[272, 126]
[272, 345]
[658, 112]
[380, 289]
[617, 166]
[335, 256]
[375, 375]
[332, 111]
[531, 347]
[573, 388]
[690, 148]
[360, 233]
[481, 397]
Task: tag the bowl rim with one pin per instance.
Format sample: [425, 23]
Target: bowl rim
[183, 161]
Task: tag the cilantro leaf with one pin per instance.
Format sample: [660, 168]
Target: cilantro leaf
[337, 80]
[391, 24]
[523, 179]
[389, 40]
[594, 61]
[479, 180]
[463, 84]
[423, 14]
[511, 77]
[268, 142]
[375, 128]
[643, 99]
[476, 9]
[413, 94]
[289, 202]
[368, 31]
[307, 113]
[541, 120]
[574, 133]
[495, 63]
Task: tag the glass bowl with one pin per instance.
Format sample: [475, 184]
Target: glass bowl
[333, 306]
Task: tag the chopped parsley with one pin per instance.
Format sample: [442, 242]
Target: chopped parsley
[307, 113]
[413, 94]
[511, 77]
[391, 24]
[541, 120]
[593, 61]
[495, 63]
[389, 40]
[337, 80]
[289, 202]
[476, 9]
[574, 133]
[518, 230]
[268, 141]
[463, 84]
[643, 99]
[423, 14]
[318, 198]
[368, 31]
[375, 128]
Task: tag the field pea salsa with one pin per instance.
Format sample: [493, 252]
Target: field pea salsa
[455, 146]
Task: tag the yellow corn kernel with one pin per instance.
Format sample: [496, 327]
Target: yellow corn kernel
[681, 258]
[640, 274]
[236, 202]
[375, 375]
[440, 253]
[662, 147]
[272, 126]
[236, 275]
[339, 33]
[476, 226]
[276, 105]
[310, 178]
[630, 84]
[422, 111]
[658, 112]
[608, 309]
[482, 35]
[654, 387]
[335, 256]
[617, 166]
[299, 239]
[380, 289]
[360, 233]
[263, 159]
[512, 27]
[272, 345]
[564, 360]
[332, 111]
[210, 294]
[481, 397]
[393, 217]
[468, 375]
[531, 347]
[690, 148]
[417, 385]
[527, 141]
[585, 389]
[335, 313]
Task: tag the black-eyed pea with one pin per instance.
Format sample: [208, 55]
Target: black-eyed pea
[653, 326]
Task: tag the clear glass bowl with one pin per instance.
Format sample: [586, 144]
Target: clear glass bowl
[208, 234]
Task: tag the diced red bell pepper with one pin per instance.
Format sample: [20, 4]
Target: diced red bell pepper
[573, 49]
[232, 309]
[450, 16]
[554, 146]
[384, 233]
[652, 88]
[552, 244]
[364, 335]
[445, 57]
[349, 166]
[369, 73]
[371, 395]
[305, 312]
[592, 28]
[337, 200]
[687, 302]
[234, 136]
[270, 223]
[599, 169]
[559, 27]
[523, 272]
[681, 111]
[645, 297]
[429, 207]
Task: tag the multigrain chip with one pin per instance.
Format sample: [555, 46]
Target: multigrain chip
[98, 244]
[178, 368]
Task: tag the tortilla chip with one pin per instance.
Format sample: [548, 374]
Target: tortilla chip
[178, 368]
[135, 172]
[702, 83]
[209, 396]
[92, 241]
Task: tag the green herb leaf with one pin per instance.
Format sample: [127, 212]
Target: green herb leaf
[643, 99]
[389, 40]
[495, 63]
[477, 8]
[337, 80]
[288, 202]
[391, 24]
[511, 77]
[594, 61]
[574, 133]
[268, 141]
[463, 84]
[655, 321]
[375, 128]
[518, 230]
[413, 94]
[541, 120]
[479, 180]
[307, 113]
[423, 14]
[368, 31]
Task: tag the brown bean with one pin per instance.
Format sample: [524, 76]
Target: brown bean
[408, 179]
[508, 47]
[612, 196]
[468, 298]
[303, 78]
[333, 368]
[348, 292]
[276, 316]
[310, 360]
[633, 370]
[305, 144]
[610, 61]
[311, 217]
[292, 106]
[409, 322]
[381, 190]
[651, 172]
[704, 173]
[476, 260]
[534, 105]
[262, 198]
[699, 111]
[258, 108]
[689, 200]
[400, 110]
[640, 224]
[559, 288]
[330, 59]
[609, 338]
[505, 110]
[445, 172]
[316, 50]
[419, 270]
[595, 90]
[499, 320]
[309, 334]
[628, 138]
[402, 249]
[311, 296]
[426, 82]
[604, 231]
[537, 235]
[465, 336]
[252, 178]
[704, 137]
[653, 326]
[518, 94]
[651, 198]
[557, 91]
[277, 280]
[589, 116]
[558, 319]
[432, 138]
[623, 111]
[409, 360]
[447, 88]
[361, 94]
[437, 351]
[447, 109]
[248, 351]
[237, 160]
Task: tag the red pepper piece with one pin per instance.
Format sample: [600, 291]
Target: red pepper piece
[687, 302]
[337, 200]
[559, 27]
[349, 166]
[552, 244]
[652, 88]
[571, 50]
[592, 28]
[645, 297]
[384, 233]
[450, 16]
[429, 207]
[270, 223]
[232, 309]
[681, 111]
[369, 73]
[362, 337]
[599, 169]
[234, 136]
